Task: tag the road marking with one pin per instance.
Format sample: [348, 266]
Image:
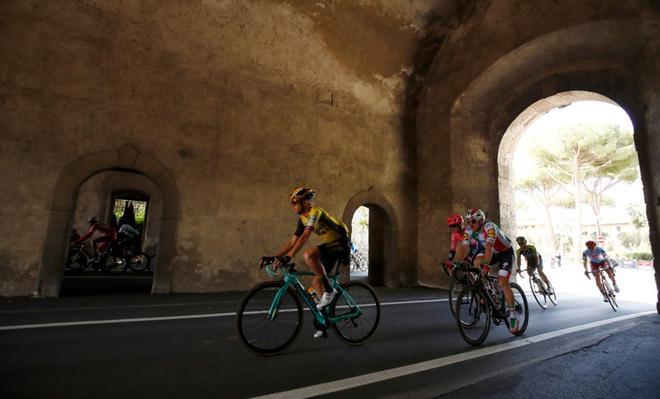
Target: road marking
[371, 378]
[184, 317]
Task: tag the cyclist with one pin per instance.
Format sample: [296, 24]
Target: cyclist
[336, 243]
[475, 249]
[100, 243]
[598, 259]
[533, 258]
[498, 249]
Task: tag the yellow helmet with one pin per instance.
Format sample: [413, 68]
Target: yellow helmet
[301, 193]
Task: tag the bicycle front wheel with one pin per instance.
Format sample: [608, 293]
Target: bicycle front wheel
[473, 315]
[139, 262]
[553, 295]
[455, 288]
[359, 310]
[521, 308]
[262, 333]
[610, 295]
[539, 292]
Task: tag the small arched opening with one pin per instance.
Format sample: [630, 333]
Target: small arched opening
[381, 242]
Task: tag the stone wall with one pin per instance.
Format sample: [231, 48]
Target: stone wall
[237, 101]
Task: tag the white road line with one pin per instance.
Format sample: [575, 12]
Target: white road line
[371, 378]
[164, 318]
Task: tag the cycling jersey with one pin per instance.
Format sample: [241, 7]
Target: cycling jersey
[489, 232]
[105, 230]
[597, 256]
[320, 222]
[531, 255]
[474, 247]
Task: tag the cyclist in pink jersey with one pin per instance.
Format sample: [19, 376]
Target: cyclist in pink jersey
[498, 250]
[475, 250]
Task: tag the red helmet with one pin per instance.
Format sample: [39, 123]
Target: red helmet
[590, 244]
[454, 220]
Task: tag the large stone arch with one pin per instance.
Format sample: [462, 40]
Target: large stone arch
[387, 226]
[63, 205]
[603, 57]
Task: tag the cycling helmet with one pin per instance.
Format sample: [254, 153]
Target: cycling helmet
[590, 244]
[301, 193]
[475, 215]
[455, 220]
[521, 240]
[93, 220]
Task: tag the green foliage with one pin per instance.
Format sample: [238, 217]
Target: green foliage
[640, 255]
[637, 215]
[630, 240]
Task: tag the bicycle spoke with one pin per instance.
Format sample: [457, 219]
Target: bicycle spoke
[351, 327]
[256, 330]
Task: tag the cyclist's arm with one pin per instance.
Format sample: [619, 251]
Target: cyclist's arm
[488, 255]
[299, 242]
[461, 252]
[287, 246]
[87, 235]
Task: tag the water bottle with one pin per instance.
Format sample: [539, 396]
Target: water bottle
[312, 294]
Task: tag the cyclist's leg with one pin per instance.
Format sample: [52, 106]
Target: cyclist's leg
[542, 275]
[597, 275]
[505, 259]
[320, 280]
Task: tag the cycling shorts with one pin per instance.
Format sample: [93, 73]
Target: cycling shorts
[332, 252]
[597, 266]
[505, 260]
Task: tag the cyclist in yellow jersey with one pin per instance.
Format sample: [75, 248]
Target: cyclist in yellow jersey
[333, 234]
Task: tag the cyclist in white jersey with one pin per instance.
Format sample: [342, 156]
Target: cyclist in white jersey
[498, 251]
[598, 259]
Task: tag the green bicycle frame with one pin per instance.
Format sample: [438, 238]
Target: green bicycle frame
[291, 279]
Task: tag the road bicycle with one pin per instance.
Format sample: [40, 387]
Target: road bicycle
[270, 315]
[481, 301]
[607, 288]
[358, 262]
[114, 257]
[541, 291]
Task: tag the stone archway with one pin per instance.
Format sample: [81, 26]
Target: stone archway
[63, 205]
[385, 266]
[510, 141]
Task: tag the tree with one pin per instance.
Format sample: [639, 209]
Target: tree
[543, 189]
[590, 158]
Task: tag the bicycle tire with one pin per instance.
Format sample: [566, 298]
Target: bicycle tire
[256, 330]
[472, 307]
[455, 289]
[538, 292]
[77, 262]
[356, 331]
[138, 262]
[611, 299]
[521, 307]
[553, 296]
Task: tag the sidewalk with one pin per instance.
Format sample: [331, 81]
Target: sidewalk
[624, 364]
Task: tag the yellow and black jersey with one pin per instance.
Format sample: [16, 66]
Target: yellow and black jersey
[322, 223]
[530, 254]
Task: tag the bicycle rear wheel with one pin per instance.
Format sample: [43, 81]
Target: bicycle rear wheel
[473, 315]
[539, 292]
[358, 296]
[257, 331]
[521, 308]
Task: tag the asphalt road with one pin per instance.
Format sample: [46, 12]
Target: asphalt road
[200, 355]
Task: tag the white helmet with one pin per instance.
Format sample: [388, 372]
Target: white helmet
[475, 215]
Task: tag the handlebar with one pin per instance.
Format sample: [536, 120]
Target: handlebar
[267, 262]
